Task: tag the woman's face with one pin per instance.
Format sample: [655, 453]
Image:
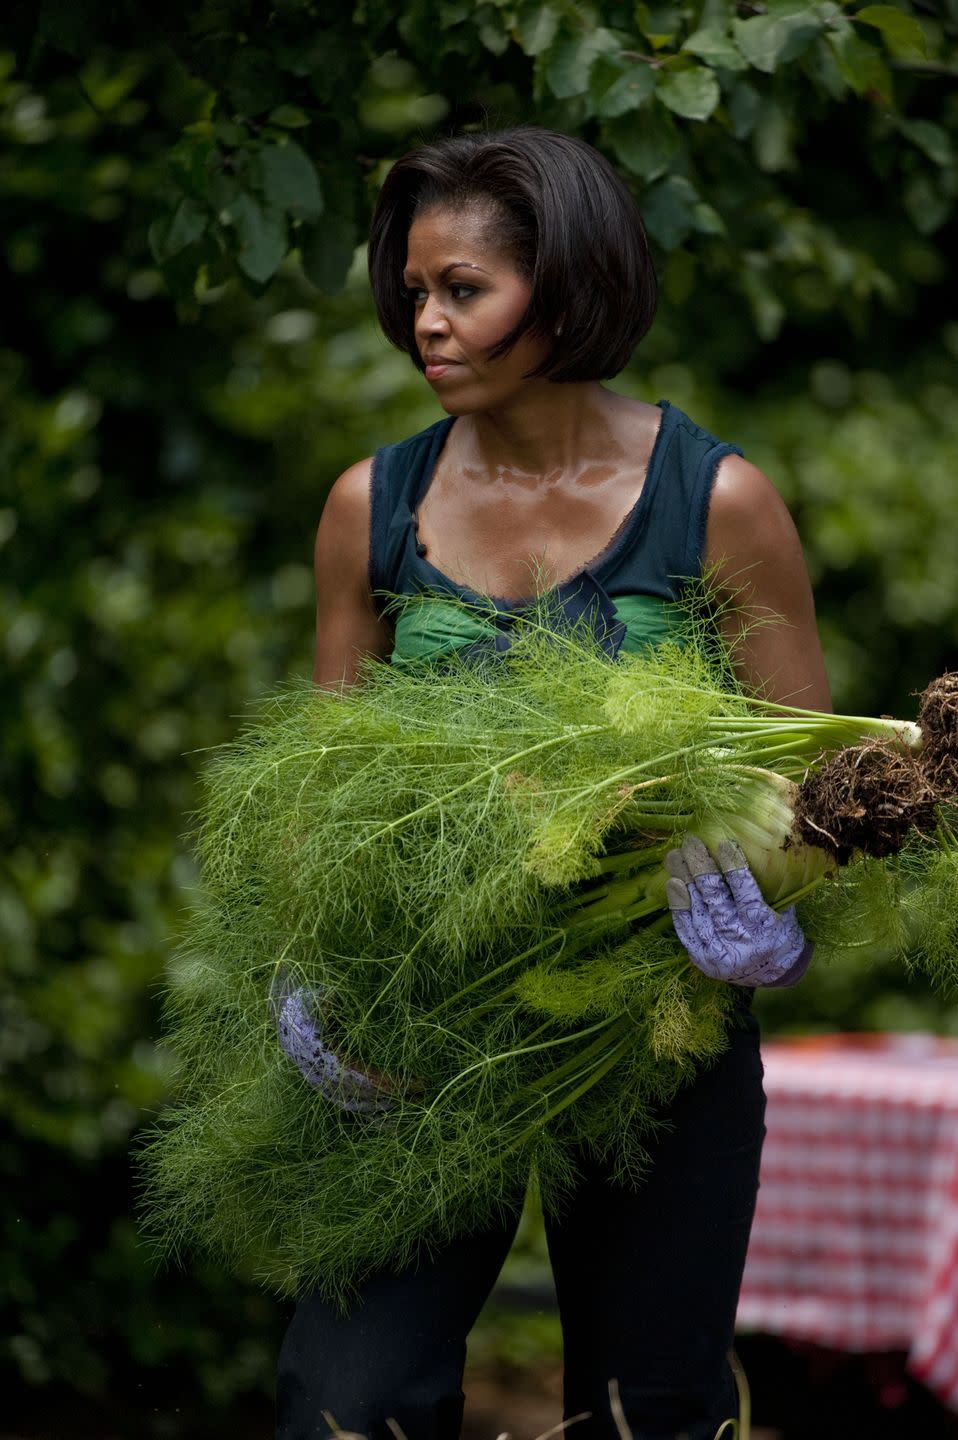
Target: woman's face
[468, 294]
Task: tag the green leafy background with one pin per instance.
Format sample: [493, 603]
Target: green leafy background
[188, 358]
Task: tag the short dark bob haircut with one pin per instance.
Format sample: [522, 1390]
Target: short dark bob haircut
[560, 210]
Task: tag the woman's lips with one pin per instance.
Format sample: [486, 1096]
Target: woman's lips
[436, 368]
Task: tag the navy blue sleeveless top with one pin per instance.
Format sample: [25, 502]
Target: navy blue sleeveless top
[628, 588]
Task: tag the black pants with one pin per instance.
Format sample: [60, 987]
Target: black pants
[647, 1281]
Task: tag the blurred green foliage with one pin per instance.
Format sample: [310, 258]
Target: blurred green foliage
[709, 107]
[162, 470]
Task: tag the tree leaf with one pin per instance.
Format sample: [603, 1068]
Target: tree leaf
[860, 63]
[536, 27]
[828, 78]
[326, 251]
[493, 36]
[692, 93]
[668, 209]
[660, 23]
[768, 41]
[156, 234]
[931, 139]
[570, 61]
[626, 93]
[715, 47]
[230, 134]
[287, 179]
[707, 219]
[928, 208]
[743, 105]
[187, 224]
[289, 117]
[222, 189]
[253, 82]
[648, 146]
[901, 33]
[261, 230]
[181, 273]
[772, 137]
[768, 312]
[336, 71]
[189, 162]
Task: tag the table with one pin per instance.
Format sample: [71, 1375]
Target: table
[855, 1241]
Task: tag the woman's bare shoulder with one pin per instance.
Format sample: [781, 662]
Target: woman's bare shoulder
[756, 554]
[348, 626]
[342, 539]
[747, 512]
[348, 500]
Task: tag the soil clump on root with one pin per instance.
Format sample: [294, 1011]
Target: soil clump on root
[938, 719]
[867, 798]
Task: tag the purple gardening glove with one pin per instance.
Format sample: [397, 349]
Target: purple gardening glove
[295, 1011]
[724, 923]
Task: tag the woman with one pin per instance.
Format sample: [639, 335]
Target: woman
[513, 268]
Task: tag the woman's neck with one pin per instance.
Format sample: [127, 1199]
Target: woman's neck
[548, 431]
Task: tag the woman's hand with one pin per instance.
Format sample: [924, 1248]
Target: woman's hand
[298, 1014]
[724, 923]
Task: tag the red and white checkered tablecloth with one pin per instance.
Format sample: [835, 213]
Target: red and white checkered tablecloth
[855, 1241]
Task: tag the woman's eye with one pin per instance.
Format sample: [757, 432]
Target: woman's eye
[458, 292]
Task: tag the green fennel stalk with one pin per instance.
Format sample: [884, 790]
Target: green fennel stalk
[463, 866]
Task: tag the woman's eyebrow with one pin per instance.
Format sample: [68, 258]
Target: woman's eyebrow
[453, 265]
[464, 264]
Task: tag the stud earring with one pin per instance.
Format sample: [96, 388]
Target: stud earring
[558, 329]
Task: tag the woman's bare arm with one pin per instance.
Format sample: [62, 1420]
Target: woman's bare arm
[754, 546]
[348, 627]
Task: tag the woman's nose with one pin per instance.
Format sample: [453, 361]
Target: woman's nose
[432, 319]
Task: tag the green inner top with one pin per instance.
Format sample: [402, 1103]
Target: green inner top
[431, 629]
